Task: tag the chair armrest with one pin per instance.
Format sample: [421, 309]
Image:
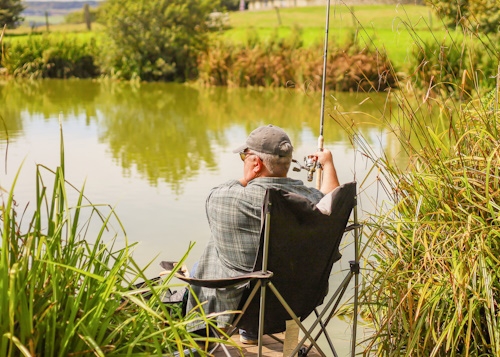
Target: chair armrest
[226, 282]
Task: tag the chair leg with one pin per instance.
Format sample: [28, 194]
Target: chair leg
[261, 315]
[332, 300]
[307, 334]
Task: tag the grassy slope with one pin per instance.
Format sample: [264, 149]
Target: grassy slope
[382, 26]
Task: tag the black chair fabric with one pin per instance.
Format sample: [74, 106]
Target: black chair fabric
[303, 246]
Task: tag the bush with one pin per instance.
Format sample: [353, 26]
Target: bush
[285, 63]
[155, 40]
[481, 16]
[49, 57]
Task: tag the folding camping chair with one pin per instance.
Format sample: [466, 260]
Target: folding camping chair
[299, 245]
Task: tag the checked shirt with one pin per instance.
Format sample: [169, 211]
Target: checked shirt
[234, 216]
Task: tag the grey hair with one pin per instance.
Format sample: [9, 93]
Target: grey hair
[277, 166]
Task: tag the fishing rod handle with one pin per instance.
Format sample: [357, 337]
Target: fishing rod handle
[318, 166]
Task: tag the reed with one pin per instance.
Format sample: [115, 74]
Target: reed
[45, 56]
[433, 289]
[285, 63]
[431, 284]
[68, 282]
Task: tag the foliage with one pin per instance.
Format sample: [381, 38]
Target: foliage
[155, 40]
[454, 67]
[285, 63]
[78, 17]
[51, 57]
[230, 5]
[10, 11]
[479, 15]
[70, 285]
[432, 287]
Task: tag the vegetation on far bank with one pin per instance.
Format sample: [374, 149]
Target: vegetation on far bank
[283, 47]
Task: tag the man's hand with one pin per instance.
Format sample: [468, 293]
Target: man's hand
[329, 180]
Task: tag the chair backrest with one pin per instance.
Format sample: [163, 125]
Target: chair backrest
[303, 246]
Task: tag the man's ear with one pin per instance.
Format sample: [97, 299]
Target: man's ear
[258, 165]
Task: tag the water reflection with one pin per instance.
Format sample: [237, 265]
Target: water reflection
[169, 132]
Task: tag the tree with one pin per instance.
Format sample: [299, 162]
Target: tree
[9, 12]
[232, 5]
[480, 15]
[156, 39]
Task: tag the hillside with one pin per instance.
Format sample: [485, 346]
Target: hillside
[54, 8]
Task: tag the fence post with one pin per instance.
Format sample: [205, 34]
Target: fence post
[278, 14]
[86, 15]
[47, 21]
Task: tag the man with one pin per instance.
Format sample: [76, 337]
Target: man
[234, 214]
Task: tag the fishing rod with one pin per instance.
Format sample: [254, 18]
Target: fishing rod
[310, 162]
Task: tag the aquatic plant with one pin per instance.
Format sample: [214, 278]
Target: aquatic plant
[285, 63]
[432, 288]
[431, 282]
[51, 57]
[69, 285]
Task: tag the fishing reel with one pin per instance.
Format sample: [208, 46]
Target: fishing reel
[310, 164]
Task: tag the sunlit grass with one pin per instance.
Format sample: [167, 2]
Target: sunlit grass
[431, 284]
[62, 28]
[384, 27]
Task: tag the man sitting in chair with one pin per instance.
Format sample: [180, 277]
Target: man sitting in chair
[234, 215]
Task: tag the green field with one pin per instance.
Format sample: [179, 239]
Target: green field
[389, 28]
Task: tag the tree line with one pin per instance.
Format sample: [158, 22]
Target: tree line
[163, 40]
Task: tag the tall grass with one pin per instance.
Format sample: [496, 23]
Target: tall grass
[286, 63]
[51, 57]
[68, 282]
[432, 284]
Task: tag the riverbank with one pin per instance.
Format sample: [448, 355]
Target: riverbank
[365, 52]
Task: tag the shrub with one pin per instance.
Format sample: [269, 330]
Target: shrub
[51, 57]
[284, 63]
[482, 16]
[155, 40]
[453, 67]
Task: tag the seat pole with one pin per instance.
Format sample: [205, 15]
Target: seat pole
[266, 238]
[261, 316]
[356, 277]
[264, 285]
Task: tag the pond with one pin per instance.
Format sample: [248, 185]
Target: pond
[153, 151]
